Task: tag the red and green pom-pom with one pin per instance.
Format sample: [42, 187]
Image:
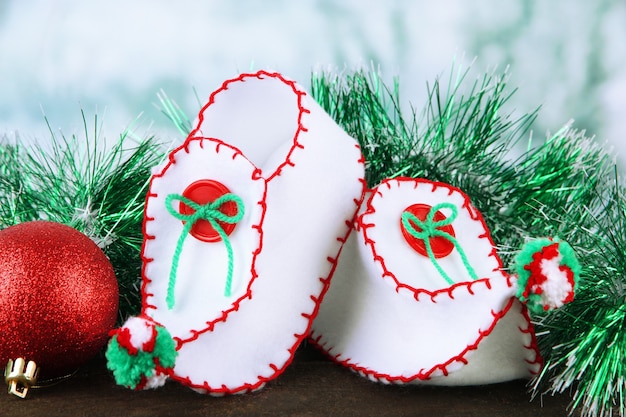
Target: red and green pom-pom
[547, 274]
[141, 354]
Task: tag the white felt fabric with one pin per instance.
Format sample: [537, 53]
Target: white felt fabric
[390, 316]
[202, 269]
[409, 267]
[313, 174]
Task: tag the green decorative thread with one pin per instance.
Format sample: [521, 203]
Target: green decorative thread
[430, 229]
[211, 213]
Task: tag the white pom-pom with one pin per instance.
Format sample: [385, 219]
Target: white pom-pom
[557, 288]
[142, 332]
[155, 381]
[547, 274]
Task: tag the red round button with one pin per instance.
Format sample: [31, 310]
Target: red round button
[440, 246]
[203, 192]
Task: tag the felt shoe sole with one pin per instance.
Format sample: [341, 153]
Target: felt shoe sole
[389, 313]
[300, 177]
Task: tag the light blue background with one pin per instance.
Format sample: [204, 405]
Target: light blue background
[111, 57]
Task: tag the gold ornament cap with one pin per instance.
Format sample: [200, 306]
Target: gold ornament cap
[20, 376]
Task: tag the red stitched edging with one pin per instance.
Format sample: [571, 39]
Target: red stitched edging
[248, 294]
[255, 176]
[260, 75]
[424, 375]
[443, 367]
[261, 380]
[530, 329]
[474, 214]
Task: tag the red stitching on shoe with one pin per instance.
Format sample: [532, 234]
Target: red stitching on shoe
[316, 340]
[533, 347]
[325, 281]
[474, 214]
[219, 147]
[262, 75]
[262, 380]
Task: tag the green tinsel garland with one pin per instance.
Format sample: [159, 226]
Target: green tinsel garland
[552, 187]
[80, 182]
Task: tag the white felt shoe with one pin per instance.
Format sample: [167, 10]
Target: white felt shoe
[298, 180]
[399, 310]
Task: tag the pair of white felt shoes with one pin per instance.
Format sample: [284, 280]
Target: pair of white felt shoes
[259, 231]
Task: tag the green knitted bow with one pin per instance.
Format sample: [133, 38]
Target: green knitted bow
[429, 228]
[211, 213]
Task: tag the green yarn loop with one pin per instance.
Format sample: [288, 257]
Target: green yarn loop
[430, 229]
[211, 213]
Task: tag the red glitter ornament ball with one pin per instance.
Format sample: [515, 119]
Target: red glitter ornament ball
[58, 297]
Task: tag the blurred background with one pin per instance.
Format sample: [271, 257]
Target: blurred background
[111, 58]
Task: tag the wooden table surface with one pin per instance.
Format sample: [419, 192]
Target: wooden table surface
[311, 386]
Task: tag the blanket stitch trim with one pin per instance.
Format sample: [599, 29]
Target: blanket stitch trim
[261, 75]
[277, 370]
[386, 273]
[533, 358]
[209, 325]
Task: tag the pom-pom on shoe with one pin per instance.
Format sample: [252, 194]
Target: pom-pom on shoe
[243, 225]
[547, 274]
[141, 354]
[420, 296]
